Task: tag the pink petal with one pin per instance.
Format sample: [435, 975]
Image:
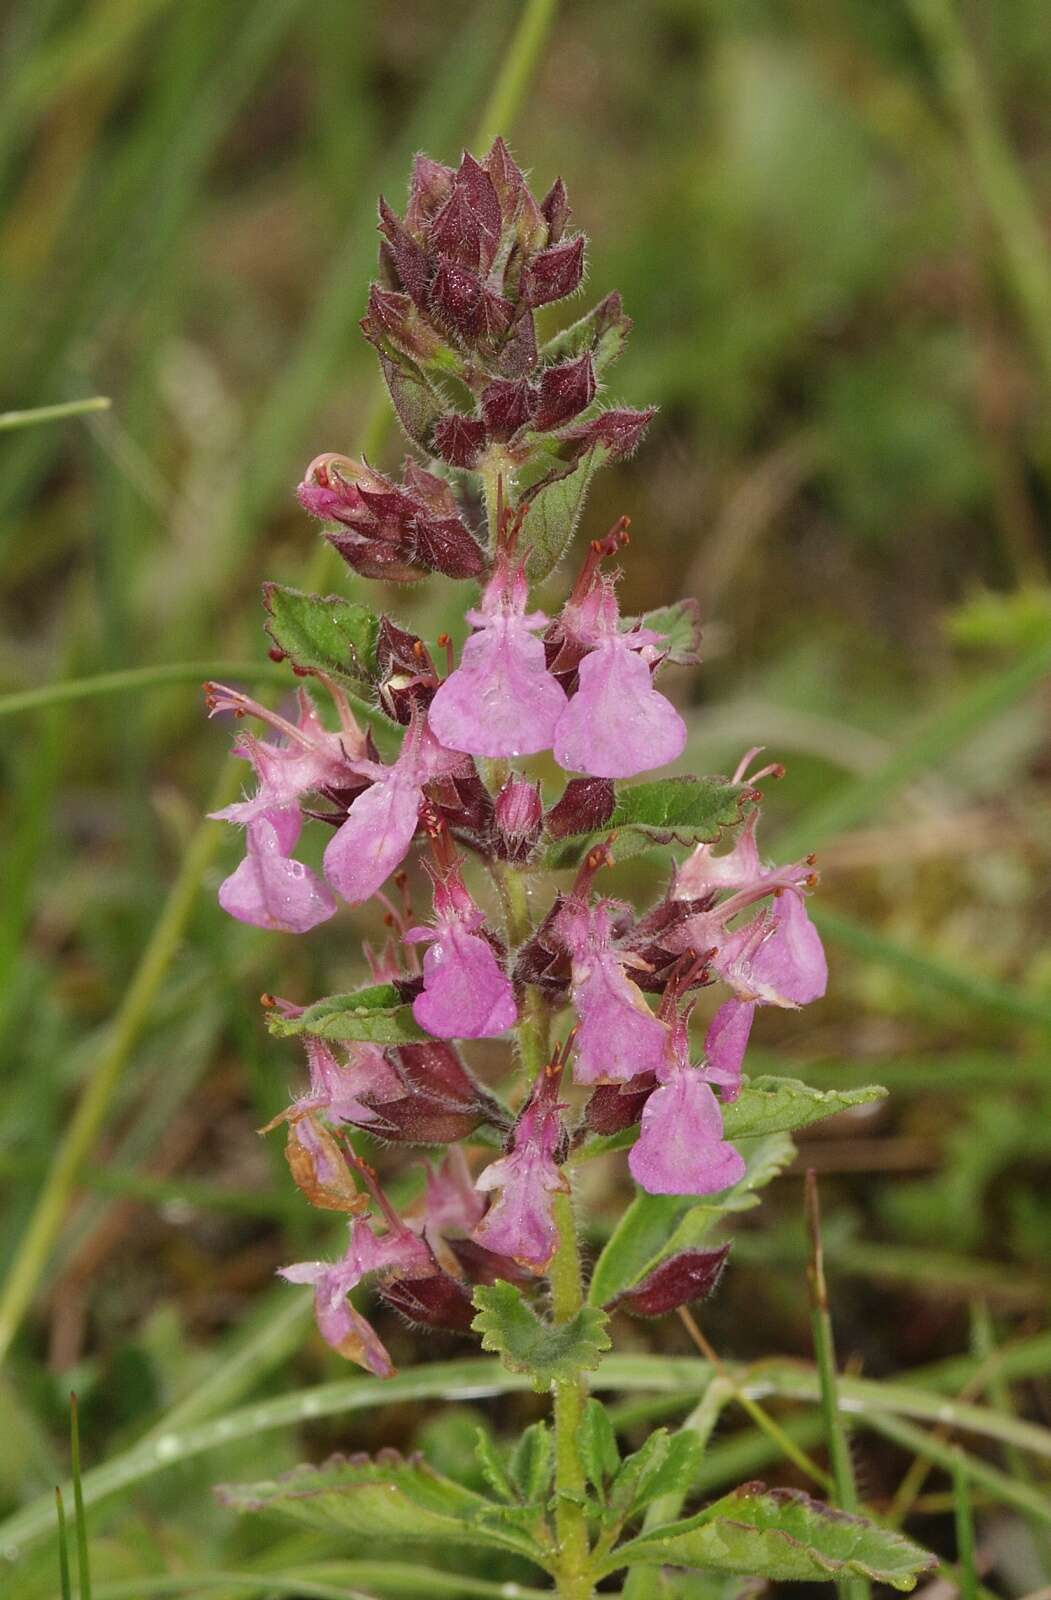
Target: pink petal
[465, 994]
[619, 1036]
[725, 1044]
[521, 1224]
[778, 959]
[375, 839]
[681, 1149]
[617, 724]
[270, 890]
[501, 700]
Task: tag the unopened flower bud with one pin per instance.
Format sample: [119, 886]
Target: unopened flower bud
[507, 405]
[556, 210]
[555, 272]
[518, 813]
[565, 391]
[459, 439]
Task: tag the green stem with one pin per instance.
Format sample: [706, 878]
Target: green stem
[570, 1398]
[135, 678]
[846, 1494]
[534, 1026]
[69, 408]
[518, 67]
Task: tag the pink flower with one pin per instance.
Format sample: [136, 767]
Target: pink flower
[617, 724]
[619, 1037]
[521, 1224]
[501, 700]
[349, 1093]
[398, 1253]
[681, 1149]
[271, 890]
[375, 839]
[466, 995]
[739, 869]
[777, 959]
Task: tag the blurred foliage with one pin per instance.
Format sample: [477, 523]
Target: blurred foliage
[825, 236]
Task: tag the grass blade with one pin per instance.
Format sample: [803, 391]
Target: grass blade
[83, 1561]
[964, 1531]
[57, 413]
[63, 1547]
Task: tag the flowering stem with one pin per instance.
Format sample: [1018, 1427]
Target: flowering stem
[534, 1027]
[570, 1397]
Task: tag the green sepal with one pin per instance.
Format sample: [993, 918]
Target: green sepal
[656, 1226]
[324, 633]
[781, 1534]
[548, 1352]
[377, 1015]
[388, 1497]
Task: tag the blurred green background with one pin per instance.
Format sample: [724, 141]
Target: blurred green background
[829, 220]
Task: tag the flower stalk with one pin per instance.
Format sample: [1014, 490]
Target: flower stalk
[569, 1398]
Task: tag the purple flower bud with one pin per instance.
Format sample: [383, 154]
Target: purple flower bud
[459, 439]
[397, 318]
[565, 391]
[507, 405]
[407, 256]
[681, 1149]
[465, 993]
[685, 1277]
[467, 228]
[585, 806]
[507, 179]
[616, 1106]
[429, 188]
[517, 817]
[619, 432]
[436, 1301]
[520, 1224]
[465, 305]
[556, 211]
[555, 272]
[518, 355]
[619, 1037]
[501, 700]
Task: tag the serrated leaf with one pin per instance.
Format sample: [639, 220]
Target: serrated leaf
[377, 1015]
[656, 1226]
[645, 1460]
[680, 626]
[781, 1105]
[492, 1467]
[548, 1352]
[781, 1534]
[555, 504]
[662, 811]
[324, 633]
[598, 1446]
[388, 1497]
[533, 1463]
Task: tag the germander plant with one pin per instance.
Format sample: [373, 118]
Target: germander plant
[407, 751]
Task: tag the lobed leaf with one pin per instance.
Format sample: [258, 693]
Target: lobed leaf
[661, 811]
[548, 1352]
[532, 1465]
[663, 1464]
[324, 633]
[389, 1497]
[782, 1534]
[598, 1446]
[377, 1015]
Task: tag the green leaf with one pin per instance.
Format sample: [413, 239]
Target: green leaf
[603, 330]
[598, 1446]
[780, 1105]
[415, 399]
[324, 633]
[555, 504]
[664, 1463]
[656, 1226]
[782, 1534]
[388, 1497]
[680, 625]
[377, 1015]
[548, 1352]
[492, 1467]
[533, 1463]
[661, 811]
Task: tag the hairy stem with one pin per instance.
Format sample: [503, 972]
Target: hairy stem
[534, 1027]
[570, 1397]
